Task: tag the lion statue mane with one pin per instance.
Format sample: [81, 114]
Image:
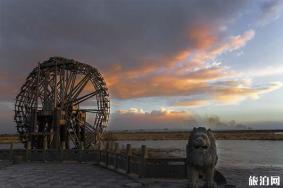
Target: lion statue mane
[201, 158]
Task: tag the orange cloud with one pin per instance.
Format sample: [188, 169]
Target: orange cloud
[237, 93]
[189, 73]
[193, 103]
[164, 84]
[230, 92]
[209, 74]
[182, 55]
[157, 86]
[202, 37]
[234, 43]
[220, 47]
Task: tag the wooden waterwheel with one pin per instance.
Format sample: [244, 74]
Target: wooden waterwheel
[62, 104]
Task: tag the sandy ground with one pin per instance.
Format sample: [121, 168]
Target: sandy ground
[57, 175]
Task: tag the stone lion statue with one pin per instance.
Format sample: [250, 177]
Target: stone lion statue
[201, 158]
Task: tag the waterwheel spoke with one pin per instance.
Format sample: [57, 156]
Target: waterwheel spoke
[70, 80]
[91, 110]
[85, 97]
[79, 87]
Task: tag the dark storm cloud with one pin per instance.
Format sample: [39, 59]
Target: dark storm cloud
[101, 33]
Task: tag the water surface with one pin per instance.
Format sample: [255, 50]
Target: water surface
[234, 153]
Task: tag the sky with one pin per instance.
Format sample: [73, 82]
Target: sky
[167, 64]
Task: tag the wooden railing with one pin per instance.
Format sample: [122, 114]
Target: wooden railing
[178, 135]
[125, 160]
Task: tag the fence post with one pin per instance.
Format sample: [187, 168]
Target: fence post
[81, 150]
[111, 154]
[62, 150]
[99, 153]
[111, 146]
[44, 148]
[11, 150]
[28, 151]
[116, 151]
[107, 154]
[144, 155]
[129, 154]
[187, 161]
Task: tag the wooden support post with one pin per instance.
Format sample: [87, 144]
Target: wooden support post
[144, 155]
[129, 154]
[28, 151]
[116, 151]
[11, 151]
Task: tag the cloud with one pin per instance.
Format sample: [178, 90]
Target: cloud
[105, 32]
[221, 47]
[193, 103]
[200, 75]
[129, 36]
[233, 43]
[270, 11]
[9, 86]
[131, 111]
[238, 92]
[229, 92]
[143, 49]
[139, 47]
[134, 118]
[158, 119]
[7, 124]
[192, 79]
[271, 70]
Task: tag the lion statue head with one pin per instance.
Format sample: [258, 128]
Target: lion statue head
[202, 148]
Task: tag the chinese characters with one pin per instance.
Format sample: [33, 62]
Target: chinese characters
[264, 181]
